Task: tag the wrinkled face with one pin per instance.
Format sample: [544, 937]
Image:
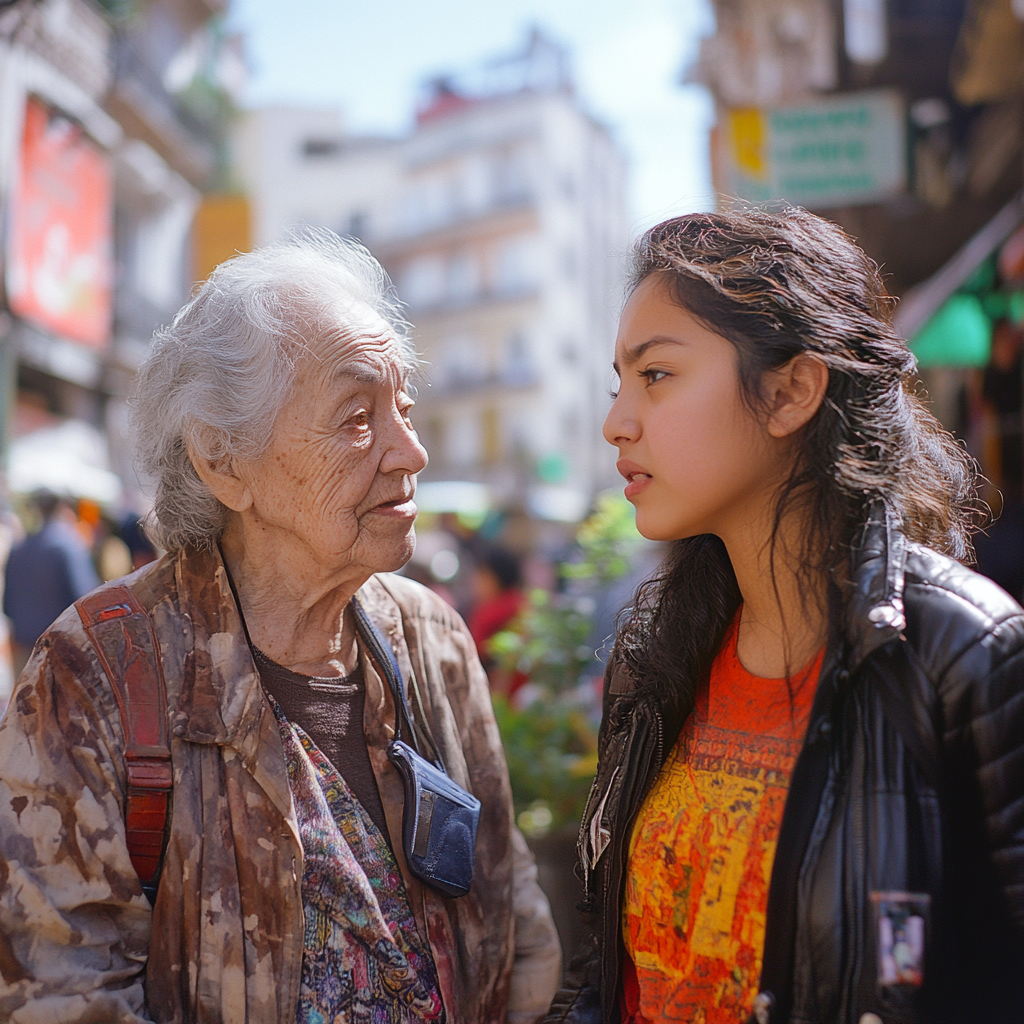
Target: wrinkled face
[696, 459]
[339, 476]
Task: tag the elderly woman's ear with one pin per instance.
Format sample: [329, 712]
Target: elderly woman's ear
[220, 476]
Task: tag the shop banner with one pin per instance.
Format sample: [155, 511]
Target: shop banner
[837, 151]
[60, 228]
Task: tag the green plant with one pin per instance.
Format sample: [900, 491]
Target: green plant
[552, 757]
[551, 743]
[548, 641]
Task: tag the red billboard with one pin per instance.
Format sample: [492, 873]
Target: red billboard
[60, 227]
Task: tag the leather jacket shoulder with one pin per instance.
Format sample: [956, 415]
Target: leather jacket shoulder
[911, 779]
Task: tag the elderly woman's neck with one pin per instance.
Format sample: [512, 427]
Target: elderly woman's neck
[294, 609]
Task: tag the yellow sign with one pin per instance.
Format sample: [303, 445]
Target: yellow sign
[221, 229]
[747, 139]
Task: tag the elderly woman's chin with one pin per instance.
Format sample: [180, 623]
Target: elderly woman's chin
[391, 554]
[383, 541]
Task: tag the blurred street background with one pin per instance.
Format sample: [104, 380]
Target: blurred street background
[498, 159]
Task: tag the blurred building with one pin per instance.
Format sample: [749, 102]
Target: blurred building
[501, 217]
[902, 120]
[889, 114]
[111, 125]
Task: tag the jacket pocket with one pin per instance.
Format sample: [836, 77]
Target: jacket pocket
[578, 1001]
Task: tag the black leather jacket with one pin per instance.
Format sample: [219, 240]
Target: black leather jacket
[911, 778]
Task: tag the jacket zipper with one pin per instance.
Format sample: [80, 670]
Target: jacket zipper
[610, 912]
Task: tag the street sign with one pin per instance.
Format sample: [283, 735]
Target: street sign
[837, 151]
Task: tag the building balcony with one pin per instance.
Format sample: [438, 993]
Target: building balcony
[147, 111]
[514, 213]
[463, 385]
[72, 37]
[448, 304]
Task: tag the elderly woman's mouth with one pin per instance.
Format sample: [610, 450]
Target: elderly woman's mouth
[399, 508]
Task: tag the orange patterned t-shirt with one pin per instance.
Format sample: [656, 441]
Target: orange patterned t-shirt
[701, 852]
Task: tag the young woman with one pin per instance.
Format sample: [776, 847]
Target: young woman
[810, 799]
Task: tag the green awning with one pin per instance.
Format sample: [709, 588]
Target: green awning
[959, 334]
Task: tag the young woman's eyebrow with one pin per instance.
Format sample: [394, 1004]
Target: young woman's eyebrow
[632, 355]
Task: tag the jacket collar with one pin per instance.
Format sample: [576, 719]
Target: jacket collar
[221, 689]
[874, 613]
[221, 696]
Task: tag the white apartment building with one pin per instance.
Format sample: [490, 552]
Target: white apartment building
[501, 218]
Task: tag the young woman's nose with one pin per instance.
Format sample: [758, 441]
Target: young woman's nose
[620, 427]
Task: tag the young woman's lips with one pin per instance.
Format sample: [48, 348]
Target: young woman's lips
[637, 478]
[400, 508]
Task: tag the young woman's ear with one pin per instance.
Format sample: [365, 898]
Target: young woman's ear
[220, 475]
[793, 393]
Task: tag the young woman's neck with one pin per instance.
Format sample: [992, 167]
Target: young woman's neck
[784, 620]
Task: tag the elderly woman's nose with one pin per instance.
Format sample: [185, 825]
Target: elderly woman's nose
[404, 453]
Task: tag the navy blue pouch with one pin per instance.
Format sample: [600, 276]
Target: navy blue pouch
[439, 818]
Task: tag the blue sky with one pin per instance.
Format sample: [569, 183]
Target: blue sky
[369, 58]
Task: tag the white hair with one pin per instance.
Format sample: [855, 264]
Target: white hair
[218, 376]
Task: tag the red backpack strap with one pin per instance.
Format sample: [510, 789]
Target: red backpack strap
[122, 634]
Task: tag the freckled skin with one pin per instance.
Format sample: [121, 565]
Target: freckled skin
[329, 504]
[342, 447]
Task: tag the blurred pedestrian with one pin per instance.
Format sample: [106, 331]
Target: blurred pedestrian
[110, 554]
[277, 882]
[141, 547]
[1000, 550]
[46, 573]
[809, 803]
[11, 533]
[498, 599]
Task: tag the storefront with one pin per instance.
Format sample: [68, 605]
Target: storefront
[966, 327]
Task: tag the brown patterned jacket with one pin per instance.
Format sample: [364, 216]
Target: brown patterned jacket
[78, 940]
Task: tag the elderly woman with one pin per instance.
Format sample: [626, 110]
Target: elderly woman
[274, 416]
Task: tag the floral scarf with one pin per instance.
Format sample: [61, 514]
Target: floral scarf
[363, 961]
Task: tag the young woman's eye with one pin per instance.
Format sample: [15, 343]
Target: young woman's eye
[653, 376]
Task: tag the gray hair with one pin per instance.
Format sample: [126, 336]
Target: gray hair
[219, 375]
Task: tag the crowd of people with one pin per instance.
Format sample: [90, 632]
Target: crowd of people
[261, 779]
[73, 548]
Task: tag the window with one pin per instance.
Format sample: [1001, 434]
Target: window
[357, 224]
[510, 178]
[490, 435]
[569, 266]
[463, 277]
[423, 281]
[464, 439]
[459, 360]
[571, 427]
[516, 266]
[517, 368]
[314, 149]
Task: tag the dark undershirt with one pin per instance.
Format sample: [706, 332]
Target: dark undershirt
[330, 712]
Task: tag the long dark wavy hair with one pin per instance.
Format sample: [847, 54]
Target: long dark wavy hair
[777, 284]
